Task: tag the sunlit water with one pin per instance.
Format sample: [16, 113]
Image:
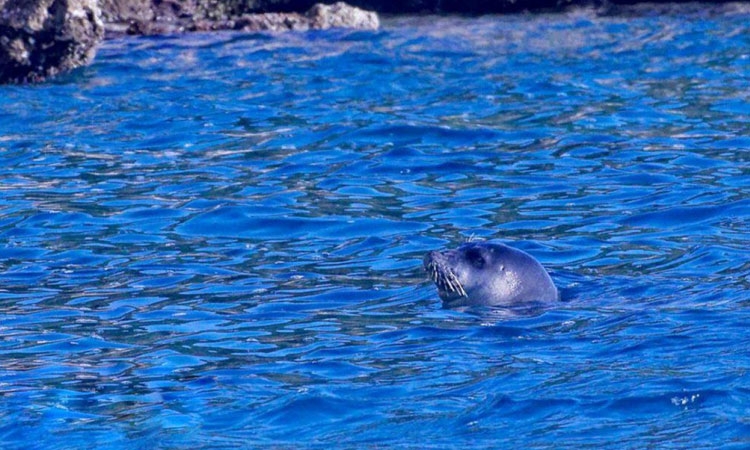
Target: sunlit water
[215, 241]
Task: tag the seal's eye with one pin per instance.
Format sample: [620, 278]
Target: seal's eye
[474, 256]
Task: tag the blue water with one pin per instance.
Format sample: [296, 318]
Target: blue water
[215, 240]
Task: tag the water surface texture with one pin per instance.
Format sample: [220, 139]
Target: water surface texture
[215, 241]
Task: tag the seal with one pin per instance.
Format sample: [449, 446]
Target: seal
[489, 274]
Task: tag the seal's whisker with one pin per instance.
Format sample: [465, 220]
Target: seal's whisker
[457, 287]
[461, 290]
[451, 281]
[445, 279]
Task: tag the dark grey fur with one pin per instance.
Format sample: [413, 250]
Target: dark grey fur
[484, 273]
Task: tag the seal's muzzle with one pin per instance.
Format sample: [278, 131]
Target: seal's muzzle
[439, 271]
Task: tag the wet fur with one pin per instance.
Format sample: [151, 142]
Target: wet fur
[483, 273]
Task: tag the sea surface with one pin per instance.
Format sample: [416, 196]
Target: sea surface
[215, 241]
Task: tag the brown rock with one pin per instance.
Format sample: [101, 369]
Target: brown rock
[41, 38]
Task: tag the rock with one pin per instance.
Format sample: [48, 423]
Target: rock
[341, 15]
[126, 11]
[272, 22]
[319, 17]
[41, 38]
[149, 17]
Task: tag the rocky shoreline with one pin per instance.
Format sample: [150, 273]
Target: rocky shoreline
[170, 17]
[42, 38]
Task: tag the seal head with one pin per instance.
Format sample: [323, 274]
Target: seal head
[491, 274]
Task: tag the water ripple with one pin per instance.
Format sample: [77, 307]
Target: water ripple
[217, 240]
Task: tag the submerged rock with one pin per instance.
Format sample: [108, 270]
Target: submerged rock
[41, 38]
